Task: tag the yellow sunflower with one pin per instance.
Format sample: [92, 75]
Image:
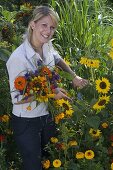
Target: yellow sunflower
[96, 63]
[83, 60]
[79, 155]
[101, 102]
[102, 86]
[46, 164]
[66, 105]
[89, 154]
[56, 163]
[95, 133]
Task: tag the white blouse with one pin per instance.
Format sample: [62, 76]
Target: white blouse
[22, 60]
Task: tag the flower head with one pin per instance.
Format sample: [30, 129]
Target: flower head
[79, 155]
[46, 164]
[102, 85]
[20, 83]
[56, 163]
[89, 154]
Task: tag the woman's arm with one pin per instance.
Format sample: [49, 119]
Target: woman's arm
[77, 81]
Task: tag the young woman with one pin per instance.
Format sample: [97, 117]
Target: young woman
[33, 128]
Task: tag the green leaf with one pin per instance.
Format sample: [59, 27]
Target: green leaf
[93, 121]
[4, 54]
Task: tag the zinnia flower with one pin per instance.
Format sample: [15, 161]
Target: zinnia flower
[56, 163]
[20, 83]
[89, 154]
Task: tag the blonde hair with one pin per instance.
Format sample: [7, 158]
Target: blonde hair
[38, 13]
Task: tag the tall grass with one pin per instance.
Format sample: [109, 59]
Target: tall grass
[85, 27]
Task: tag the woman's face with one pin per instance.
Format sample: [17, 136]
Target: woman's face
[43, 30]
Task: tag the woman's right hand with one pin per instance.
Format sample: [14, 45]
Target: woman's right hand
[61, 94]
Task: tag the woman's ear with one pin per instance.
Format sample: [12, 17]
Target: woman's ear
[32, 25]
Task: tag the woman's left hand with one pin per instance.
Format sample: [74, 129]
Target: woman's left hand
[79, 82]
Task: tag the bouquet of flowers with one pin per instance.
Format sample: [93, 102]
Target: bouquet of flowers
[40, 84]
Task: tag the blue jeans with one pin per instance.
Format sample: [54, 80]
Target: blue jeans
[31, 136]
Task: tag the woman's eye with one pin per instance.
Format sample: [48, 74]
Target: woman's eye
[44, 25]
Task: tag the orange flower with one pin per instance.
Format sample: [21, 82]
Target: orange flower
[20, 83]
[46, 71]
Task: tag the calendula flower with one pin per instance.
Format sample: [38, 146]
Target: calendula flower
[103, 100]
[73, 143]
[46, 164]
[104, 125]
[79, 155]
[20, 83]
[54, 139]
[5, 118]
[56, 163]
[95, 133]
[89, 154]
[102, 85]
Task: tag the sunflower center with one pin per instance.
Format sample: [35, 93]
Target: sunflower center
[102, 102]
[43, 93]
[66, 106]
[103, 85]
[94, 132]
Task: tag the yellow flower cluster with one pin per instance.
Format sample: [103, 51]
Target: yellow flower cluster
[93, 63]
[89, 154]
[56, 163]
[102, 86]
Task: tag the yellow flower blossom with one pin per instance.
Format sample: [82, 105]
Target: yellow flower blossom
[56, 163]
[89, 154]
[46, 164]
[79, 155]
[54, 140]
